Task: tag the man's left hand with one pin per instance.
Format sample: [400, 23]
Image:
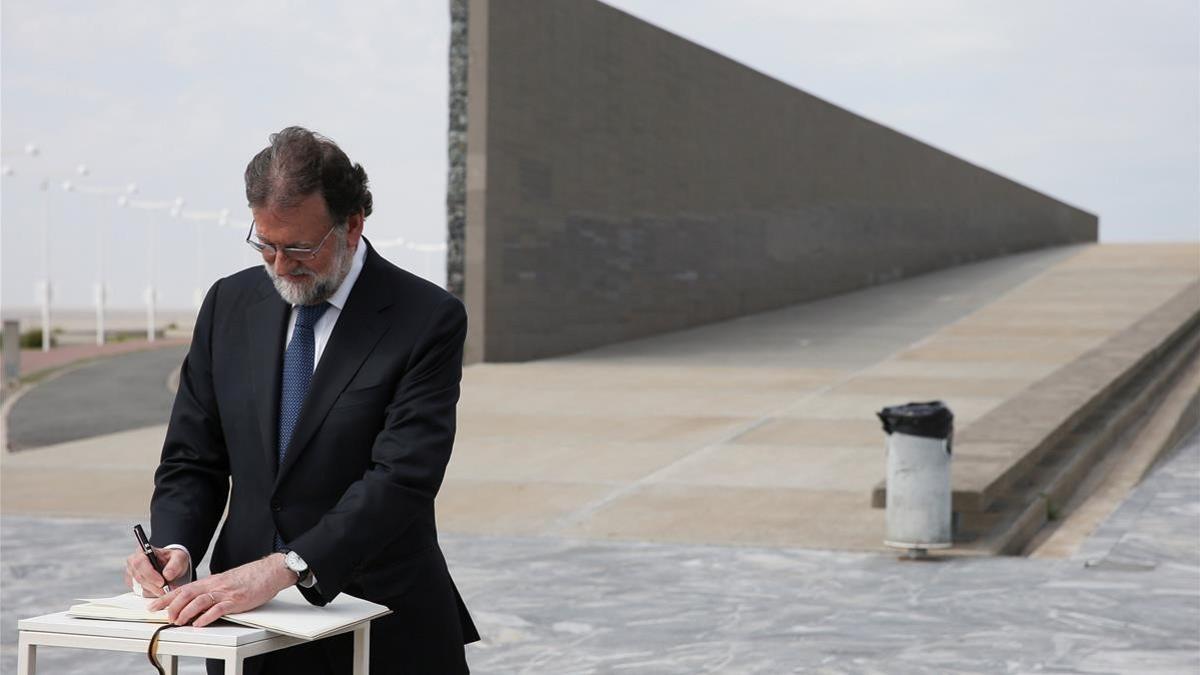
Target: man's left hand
[237, 590]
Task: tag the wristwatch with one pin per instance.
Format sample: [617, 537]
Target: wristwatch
[296, 564]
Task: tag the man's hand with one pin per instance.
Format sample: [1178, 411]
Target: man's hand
[237, 590]
[139, 570]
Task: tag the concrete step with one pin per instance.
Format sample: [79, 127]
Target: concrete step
[1015, 467]
[1041, 496]
[1105, 488]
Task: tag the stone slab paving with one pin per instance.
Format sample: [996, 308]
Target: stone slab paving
[742, 431]
[110, 475]
[757, 431]
[1127, 602]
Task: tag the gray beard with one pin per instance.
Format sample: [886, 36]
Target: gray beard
[325, 285]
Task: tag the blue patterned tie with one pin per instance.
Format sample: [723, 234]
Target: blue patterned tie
[297, 376]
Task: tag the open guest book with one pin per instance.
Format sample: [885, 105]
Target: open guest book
[287, 613]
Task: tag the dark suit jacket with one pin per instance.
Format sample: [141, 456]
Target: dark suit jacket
[354, 495]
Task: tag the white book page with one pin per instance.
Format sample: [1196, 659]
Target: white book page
[290, 614]
[124, 601]
[127, 607]
[287, 613]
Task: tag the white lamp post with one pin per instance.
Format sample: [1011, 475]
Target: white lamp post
[123, 200]
[150, 295]
[428, 253]
[99, 291]
[198, 291]
[99, 288]
[151, 252]
[222, 221]
[43, 287]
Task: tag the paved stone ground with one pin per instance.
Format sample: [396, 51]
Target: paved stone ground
[1127, 602]
[758, 431]
[118, 393]
[738, 432]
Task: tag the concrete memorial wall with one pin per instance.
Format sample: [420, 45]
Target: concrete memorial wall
[610, 180]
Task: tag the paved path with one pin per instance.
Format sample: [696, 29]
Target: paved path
[113, 394]
[1129, 602]
[758, 431]
[761, 431]
[536, 441]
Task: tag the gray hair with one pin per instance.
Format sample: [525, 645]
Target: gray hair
[299, 163]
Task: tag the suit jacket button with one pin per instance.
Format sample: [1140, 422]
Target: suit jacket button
[275, 506]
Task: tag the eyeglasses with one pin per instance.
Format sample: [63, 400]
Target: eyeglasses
[290, 252]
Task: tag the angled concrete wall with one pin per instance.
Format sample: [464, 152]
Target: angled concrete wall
[621, 181]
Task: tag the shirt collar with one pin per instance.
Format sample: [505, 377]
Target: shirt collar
[338, 299]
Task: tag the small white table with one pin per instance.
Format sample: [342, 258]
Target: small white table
[225, 641]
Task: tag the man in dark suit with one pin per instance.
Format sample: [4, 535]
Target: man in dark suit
[324, 384]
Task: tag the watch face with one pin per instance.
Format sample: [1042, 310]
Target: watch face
[295, 562]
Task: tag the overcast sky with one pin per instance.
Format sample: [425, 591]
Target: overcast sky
[1095, 103]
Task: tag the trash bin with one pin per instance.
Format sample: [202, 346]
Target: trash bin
[918, 475]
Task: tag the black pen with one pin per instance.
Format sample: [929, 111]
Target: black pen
[149, 551]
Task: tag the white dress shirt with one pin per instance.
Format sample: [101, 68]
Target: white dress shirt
[322, 330]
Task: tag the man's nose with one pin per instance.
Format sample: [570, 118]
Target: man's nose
[283, 264]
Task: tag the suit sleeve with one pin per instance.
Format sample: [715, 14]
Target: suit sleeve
[408, 461]
[191, 484]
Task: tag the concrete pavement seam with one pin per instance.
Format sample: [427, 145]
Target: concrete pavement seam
[588, 510]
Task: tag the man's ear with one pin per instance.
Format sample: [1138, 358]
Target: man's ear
[354, 228]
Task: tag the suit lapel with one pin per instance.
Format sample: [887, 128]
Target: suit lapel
[358, 329]
[267, 321]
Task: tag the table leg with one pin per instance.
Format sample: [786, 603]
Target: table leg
[362, 649]
[233, 665]
[170, 663]
[26, 655]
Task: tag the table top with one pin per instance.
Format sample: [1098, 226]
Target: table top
[221, 633]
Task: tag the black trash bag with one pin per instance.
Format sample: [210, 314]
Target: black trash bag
[928, 420]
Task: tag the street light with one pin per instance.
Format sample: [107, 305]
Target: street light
[42, 286]
[150, 296]
[221, 218]
[151, 291]
[45, 288]
[198, 291]
[427, 251]
[99, 288]
[202, 258]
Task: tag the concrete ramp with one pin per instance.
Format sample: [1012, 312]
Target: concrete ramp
[761, 430]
